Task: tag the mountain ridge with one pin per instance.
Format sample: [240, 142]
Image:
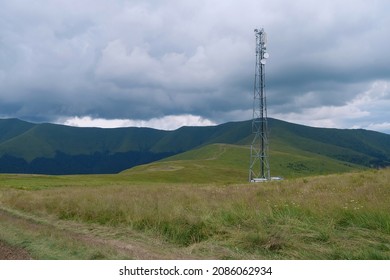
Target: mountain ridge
[58, 149]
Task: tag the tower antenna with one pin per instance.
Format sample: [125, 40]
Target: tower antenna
[259, 169]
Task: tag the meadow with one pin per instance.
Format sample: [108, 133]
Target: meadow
[337, 216]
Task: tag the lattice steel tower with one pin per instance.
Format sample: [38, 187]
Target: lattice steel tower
[259, 165]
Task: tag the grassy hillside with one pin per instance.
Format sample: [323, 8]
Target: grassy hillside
[108, 217]
[363, 147]
[45, 140]
[11, 128]
[226, 163]
[58, 149]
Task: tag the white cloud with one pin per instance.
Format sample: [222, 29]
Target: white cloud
[378, 93]
[324, 116]
[384, 127]
[164, 123]
[366, 110]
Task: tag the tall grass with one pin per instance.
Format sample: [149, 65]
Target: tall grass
[327, 217]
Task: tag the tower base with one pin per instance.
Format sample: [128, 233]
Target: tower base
[261, 180]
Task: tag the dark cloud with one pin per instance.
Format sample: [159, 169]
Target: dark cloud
[148, 59]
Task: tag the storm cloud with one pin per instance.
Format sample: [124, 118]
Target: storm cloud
[192, 62]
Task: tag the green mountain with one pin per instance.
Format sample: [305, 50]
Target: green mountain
[295, 149]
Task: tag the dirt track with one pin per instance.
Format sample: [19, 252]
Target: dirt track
[12, 253]
[131, 245]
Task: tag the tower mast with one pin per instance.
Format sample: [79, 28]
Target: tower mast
[259, 165]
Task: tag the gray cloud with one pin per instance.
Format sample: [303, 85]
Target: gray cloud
[148, 59]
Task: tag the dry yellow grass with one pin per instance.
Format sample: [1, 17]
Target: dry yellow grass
[326, 217]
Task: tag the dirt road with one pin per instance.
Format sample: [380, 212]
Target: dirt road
[126, 243]
[8, 252]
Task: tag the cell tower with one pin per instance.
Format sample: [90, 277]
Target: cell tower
[259, 165]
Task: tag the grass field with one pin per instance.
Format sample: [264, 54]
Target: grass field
[153, 212]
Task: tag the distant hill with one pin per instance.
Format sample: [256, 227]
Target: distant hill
[59, 149]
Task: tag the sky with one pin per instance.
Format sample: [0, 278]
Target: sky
[165, 64]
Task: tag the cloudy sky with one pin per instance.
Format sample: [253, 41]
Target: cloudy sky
[164, 63]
